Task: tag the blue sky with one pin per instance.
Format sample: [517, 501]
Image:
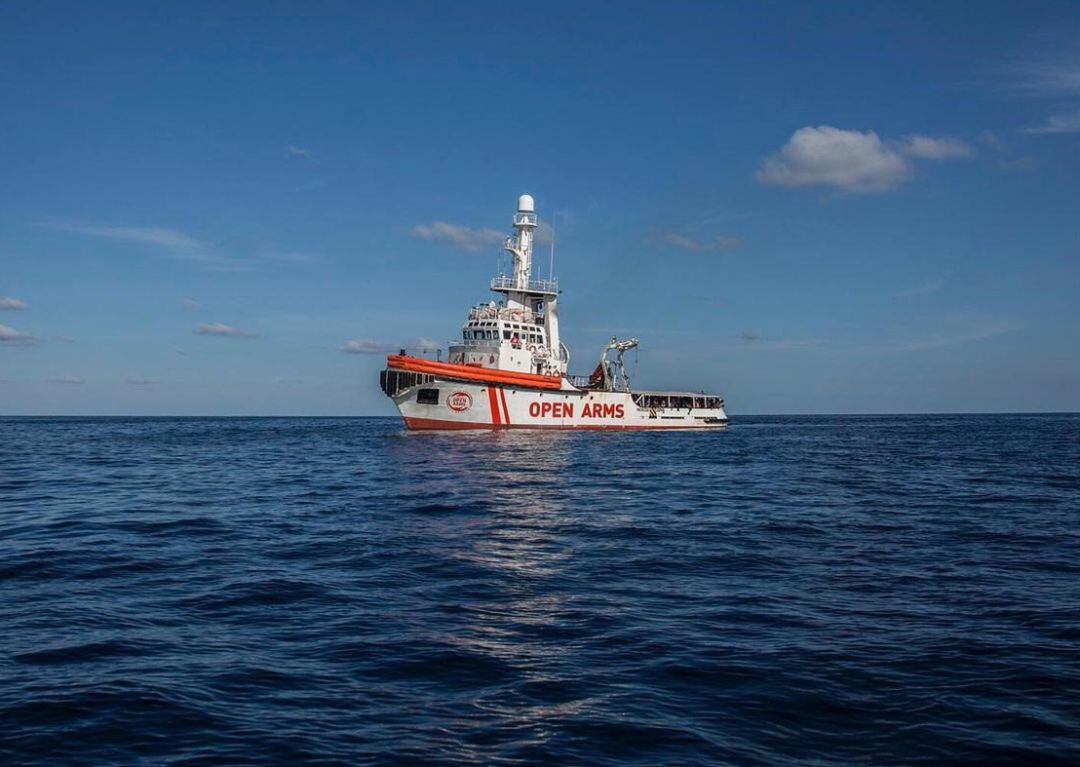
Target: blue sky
[214, 208]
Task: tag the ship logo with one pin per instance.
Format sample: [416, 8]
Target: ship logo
[459, 401]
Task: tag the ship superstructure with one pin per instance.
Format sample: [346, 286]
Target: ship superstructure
[510, 367]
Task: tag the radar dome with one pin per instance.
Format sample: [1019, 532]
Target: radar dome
[526, 204]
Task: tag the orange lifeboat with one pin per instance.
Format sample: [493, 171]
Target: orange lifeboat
[473, 373]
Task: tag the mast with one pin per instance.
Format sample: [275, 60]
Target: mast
[535, 298]
[520, 246]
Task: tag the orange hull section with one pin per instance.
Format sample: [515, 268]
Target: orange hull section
[471, 373]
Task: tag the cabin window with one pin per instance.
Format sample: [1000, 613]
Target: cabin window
[427, 396]
[506, 335]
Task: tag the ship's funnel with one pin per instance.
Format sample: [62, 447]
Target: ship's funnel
[526, 204]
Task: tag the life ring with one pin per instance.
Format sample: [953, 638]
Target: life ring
[531, 347]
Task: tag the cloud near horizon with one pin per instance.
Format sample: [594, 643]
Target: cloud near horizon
[12, 304]
[457, 236]
[382, 347]
[365, 347]
[853, 161]
[68, 379]
[220, 329]
[139, 381]
[9, 335]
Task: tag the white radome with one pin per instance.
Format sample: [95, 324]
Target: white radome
[526, 204]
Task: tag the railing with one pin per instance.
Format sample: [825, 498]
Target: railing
[579, 381]
[474, 342]
[507, 282]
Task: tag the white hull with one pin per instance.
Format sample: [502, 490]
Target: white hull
[470, 405]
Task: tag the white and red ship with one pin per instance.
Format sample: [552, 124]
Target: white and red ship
[509, 369]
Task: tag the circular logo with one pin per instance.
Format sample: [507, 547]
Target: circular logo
[459, 401]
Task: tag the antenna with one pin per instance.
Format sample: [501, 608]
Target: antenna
[551, 264]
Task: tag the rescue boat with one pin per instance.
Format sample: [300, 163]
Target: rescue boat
[509, 369]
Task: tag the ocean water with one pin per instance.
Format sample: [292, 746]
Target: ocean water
[789, 591]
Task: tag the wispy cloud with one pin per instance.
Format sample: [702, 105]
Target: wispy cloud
[12, 304]
[963, 330]
[170, 242]
[1050, 75]
[68, 379]
[924, 288]
[1017, 164]
[299, 151]
[1060, 123]
[220, 329]
[990, 139]
[13, 337]
[140, 381]
[853, 161]
[458, 236]
[190, 304]
[65, 339]
[424, 345]
[294, 258]
[718, 244]
[927, 148]
[145, 235]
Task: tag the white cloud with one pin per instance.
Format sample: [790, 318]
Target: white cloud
[426, 344]
[927, 148]
[460, 237]
[66, 339]
[854, 161]
[365, 347]
[299, 151]
[140, 381]
[718, 244]
[14, 337]
[190, 304]
[1064, 123]
[13, 304]
[826, 156]
[68, 379]
[219, 329]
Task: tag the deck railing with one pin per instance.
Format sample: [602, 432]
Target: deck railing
[508, 282]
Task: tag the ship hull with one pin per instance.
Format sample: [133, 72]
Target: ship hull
[441, 404]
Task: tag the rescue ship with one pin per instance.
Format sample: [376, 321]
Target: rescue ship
[509, 369]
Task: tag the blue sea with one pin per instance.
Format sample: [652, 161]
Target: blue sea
[788, 591]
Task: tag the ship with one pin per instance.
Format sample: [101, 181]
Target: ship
[509, 369]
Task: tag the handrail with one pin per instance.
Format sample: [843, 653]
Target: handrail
[508, 282]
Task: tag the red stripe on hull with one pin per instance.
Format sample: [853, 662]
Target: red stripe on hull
[493, 400]
[505, 409]
[437, 424]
